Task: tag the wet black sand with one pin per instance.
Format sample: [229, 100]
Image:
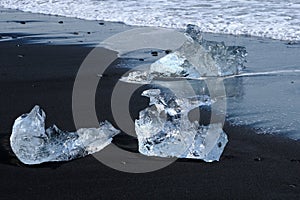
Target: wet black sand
[251, 167]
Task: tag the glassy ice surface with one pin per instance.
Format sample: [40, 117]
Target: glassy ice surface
[32, 144]
[170, 65]
[163, 129]
[194, 59]
[211, 58]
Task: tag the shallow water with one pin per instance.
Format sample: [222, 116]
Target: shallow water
[270, 104]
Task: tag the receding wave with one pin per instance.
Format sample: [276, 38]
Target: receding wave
[270, 18]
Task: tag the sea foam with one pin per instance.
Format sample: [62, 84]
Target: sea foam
[270, 18]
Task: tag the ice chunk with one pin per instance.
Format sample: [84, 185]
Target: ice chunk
[212, 58]
[169, 65]
[32, 144]
[197, 58]
[163, 129]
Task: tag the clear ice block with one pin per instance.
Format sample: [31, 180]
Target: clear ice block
[164, 129]
[196, 58]
[32, 144]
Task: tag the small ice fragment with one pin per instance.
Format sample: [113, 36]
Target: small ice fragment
[32, 144]
[163, 129]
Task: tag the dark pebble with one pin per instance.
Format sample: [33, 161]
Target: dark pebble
[22, 22]
[258, 159]
[141, 59]
[168, 51]
[88, 32]
[101, 23]
[60, 22]
[76, 33]
[154, 53]
[228, 156]
[292, 82]
[294, 160]
[219, 144]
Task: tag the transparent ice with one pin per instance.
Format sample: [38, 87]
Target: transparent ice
[137, 76]
[32, 144]
[164, 129]
[196, 58]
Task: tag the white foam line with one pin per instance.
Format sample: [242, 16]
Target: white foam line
[274, 19]
[276, 72]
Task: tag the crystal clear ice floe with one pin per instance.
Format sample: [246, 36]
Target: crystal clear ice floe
[164, 129]
[197, 58]
[32, 144]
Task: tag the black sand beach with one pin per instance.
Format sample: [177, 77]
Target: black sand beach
[252, 166]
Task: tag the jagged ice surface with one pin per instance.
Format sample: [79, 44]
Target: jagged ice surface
[32, 144]
[163, 129]
[196, 58]
[200, 58]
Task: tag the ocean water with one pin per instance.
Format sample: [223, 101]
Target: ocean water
[274, 19]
